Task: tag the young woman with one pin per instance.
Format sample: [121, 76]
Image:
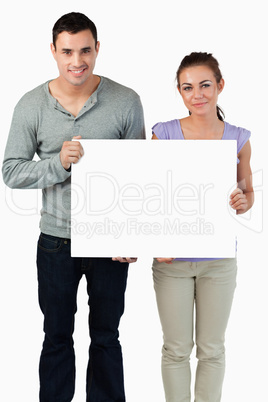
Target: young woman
[208, 284]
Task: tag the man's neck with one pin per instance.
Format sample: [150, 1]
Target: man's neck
[72, 97]
[60, 88]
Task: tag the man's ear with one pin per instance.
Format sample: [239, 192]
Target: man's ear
[53, 49]
[97, 47]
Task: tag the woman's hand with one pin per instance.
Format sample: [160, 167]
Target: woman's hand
[242, 198]
[238, 201]
[166, 260]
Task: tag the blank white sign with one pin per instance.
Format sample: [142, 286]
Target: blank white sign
[137, 198]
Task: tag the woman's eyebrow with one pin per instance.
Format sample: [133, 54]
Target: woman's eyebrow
[202, 82]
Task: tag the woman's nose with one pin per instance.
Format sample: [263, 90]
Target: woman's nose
[198, 93]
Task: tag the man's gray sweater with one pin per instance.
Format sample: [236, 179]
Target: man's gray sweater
[40, 125]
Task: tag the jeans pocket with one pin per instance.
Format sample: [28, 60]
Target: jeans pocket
[49, 243]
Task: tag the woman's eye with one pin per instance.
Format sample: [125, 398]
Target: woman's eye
[187, 88]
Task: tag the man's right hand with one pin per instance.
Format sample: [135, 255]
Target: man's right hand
[71, 152]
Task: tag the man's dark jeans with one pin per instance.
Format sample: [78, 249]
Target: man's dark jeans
[58, 278]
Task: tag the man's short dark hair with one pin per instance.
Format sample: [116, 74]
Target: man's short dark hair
[73, 23]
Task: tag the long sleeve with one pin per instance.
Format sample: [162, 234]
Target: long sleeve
[19, 169]
[39, 127]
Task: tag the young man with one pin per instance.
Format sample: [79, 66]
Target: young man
[82, 105]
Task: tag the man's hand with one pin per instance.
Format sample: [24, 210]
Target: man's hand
[125, 259]
[71, 152]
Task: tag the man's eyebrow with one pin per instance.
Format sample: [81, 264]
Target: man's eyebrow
[69, 50]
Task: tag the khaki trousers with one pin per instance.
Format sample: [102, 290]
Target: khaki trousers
[209, 286]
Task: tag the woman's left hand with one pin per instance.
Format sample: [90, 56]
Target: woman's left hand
[166, 260]
[238, 201]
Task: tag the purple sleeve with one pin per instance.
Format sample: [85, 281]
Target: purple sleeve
[159, 130]
[241, 135]
[242, 138]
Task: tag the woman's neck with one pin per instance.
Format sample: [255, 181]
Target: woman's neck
[199, 127]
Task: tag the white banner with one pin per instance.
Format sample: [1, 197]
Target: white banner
[157, 198]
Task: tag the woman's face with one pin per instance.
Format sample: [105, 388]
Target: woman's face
[199, 90]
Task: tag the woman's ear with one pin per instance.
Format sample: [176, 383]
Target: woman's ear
[221, 85]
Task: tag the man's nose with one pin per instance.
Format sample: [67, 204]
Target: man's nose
[77, 60]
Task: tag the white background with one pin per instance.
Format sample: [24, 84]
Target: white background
[142, 44]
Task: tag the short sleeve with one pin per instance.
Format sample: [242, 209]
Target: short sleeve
[169, 130]
[243, 137]
[240, 134]
[159, 130]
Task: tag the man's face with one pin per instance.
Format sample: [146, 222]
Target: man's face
[75, 55]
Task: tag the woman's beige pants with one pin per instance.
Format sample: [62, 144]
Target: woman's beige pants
[209, 285]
